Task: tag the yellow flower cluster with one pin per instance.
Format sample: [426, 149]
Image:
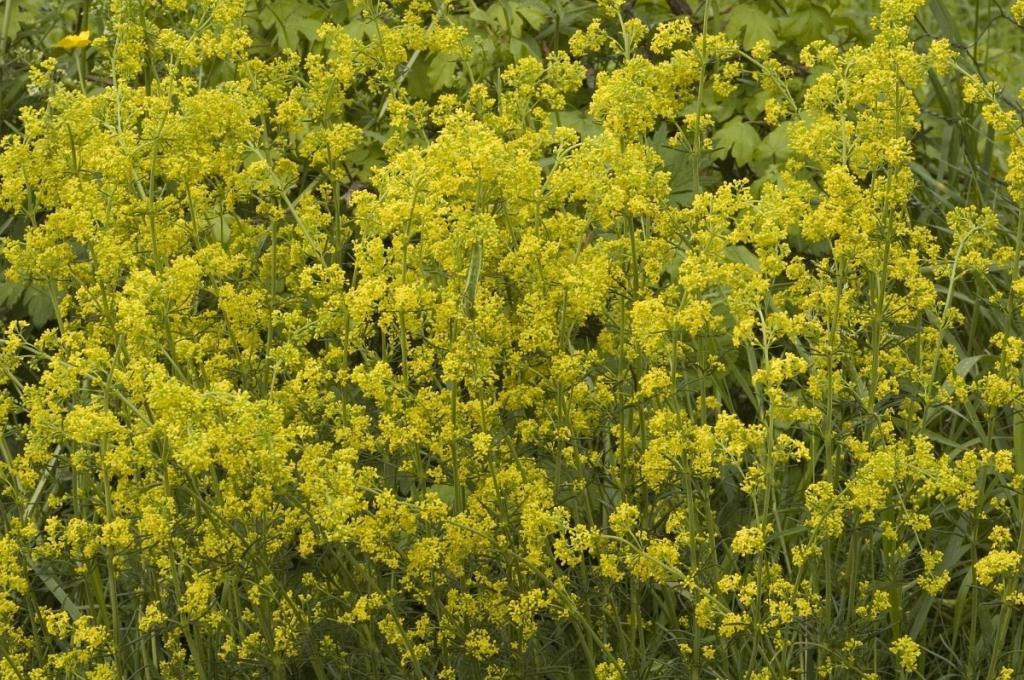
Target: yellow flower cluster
[343, 379]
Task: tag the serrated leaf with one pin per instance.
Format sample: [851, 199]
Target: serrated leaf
[357, 28]
[576, 120]
[40, 309]
[751, 105]
[482, 15]
[742, 255]
[512, 22]
[533, 13]
[441, 71]
[220, 226]
[10, 293]
[739, 139]
[292, 20]
[751, 23]
[774, 147]
[446, 492]
[524, 46]
[805, 25]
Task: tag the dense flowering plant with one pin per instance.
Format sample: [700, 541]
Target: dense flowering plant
[512, 339]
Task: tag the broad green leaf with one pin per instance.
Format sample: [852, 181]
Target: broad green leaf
[418, 81]
[523, 47]
[358, 28]
[774, 147]
[220, 226]
[22, 14]
[10, 293]
[441, 71]
[292, 19]
[576, 120]
[498, 17]
[40, 308]
[446, 492]
[742, 255]
[748, 21]
[536, 14]
[739, 139]
[750, 104]
[805, 25]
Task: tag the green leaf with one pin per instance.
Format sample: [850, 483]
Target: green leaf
[774, 147]
[358, 28]
[34, 15]
[751, 23]
[677, 163]
[292, 20]
[737, 138]
[742, 255]
[805, 25]
[441, 71]
[445, 492]
[524, 46]
[534, 13]
[966, 365]
[40, 308]
[949, 27]
[472, 281]
[53, 586]
[10, 293]
[418, 82]
[499, 19]
[578, 121]
[220, 226]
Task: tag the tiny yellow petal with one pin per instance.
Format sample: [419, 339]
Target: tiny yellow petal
[70, 42]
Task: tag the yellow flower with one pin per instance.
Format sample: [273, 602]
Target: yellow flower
[480, 645]
[1017, 11]
[71, 42]
[609, 670]
[907, 651]
[748, 541]
[996, 563]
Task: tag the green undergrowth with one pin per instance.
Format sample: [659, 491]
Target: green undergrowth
[512, 339]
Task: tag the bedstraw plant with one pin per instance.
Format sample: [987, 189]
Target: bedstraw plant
[515, 339]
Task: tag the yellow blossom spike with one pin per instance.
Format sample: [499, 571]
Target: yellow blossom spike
[70, 42]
